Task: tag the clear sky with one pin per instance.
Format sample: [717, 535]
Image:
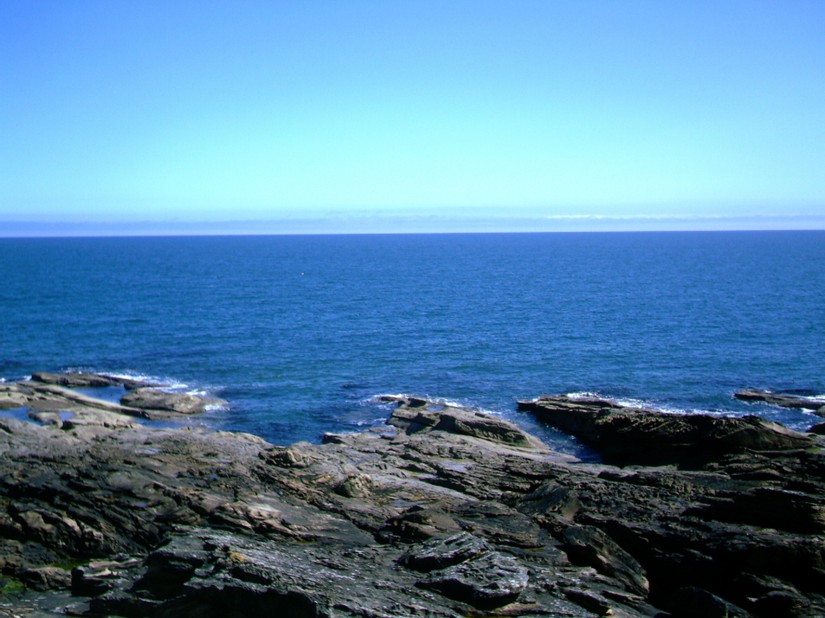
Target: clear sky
[164, 116]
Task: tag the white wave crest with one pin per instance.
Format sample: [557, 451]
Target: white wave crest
[579, 395]
[165, 382]
[644, 404]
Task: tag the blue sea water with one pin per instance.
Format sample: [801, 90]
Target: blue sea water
[300, 333]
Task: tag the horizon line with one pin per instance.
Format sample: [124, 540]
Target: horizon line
[409, 233]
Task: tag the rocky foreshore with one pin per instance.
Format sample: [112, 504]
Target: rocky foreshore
[444, 512]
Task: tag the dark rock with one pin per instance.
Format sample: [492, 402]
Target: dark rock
[488, 581]
[590, 546]
[784, 604]
[83, 379]
[691, 601]
[179, 403]
[451, 513]
[767, 507]
[784, 400]
[420, 524]
[74, 379]
[443, 553]
[45, 578]
[624, 435]
[413, 415]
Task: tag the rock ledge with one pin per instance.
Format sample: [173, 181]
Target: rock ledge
[444, 513]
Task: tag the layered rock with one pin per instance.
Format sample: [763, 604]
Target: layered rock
[49, 401]
[446, 512]
[83, 379]
[626, 435]
[180, 403]
[783, 400]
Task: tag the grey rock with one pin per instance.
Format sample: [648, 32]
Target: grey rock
[443, 553]
[591, 546]
[444, 515]
[414, 414]
[488, 581]
[74, 379]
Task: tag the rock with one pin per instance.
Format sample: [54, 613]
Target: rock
[74, 379]
[179, 403]
[45, 578]
[443, 553]
[83, 379]
[486, 582]
[818, 429]
[692, 601]
[11, 397]
[784, 400]
[589, 545]
[355, 486]
[449, 513]
[414, 414]
[624, 435]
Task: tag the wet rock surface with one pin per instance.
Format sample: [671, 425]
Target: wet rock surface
[784, 400]
[443, 513]
[82, 379]
[157, 399]
[625, 435]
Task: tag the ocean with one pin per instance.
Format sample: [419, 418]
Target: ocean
[301, 333]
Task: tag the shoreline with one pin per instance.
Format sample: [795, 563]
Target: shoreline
[444, 512]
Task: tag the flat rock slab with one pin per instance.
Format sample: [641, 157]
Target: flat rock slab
[180, 403]
[626, 435]
[415, 414]
[783, 400]
[82, 379]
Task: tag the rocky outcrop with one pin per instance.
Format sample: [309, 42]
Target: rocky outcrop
[445, 512]
[625, 435]
[784, 400]
[180, 403]
[414, 415]
[47, 401]
[82, 379]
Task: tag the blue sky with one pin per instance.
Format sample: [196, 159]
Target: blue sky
[219, 117]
